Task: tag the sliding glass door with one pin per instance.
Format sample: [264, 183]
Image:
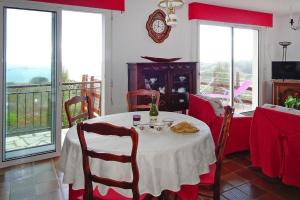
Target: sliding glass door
[49, 54]
[82, 58]
[29, 83]
[215, 61]
[229, 65]
[245, 71]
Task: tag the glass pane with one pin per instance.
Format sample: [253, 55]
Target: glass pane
[245, 69]
[29, 125]
[81, 57]
[215, 62]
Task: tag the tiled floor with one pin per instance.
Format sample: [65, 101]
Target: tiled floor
[30, 140]
[240, 181]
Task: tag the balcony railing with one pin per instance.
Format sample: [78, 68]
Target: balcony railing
[29, 106]
[219, 83]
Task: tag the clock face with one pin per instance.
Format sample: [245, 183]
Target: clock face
[157, 27]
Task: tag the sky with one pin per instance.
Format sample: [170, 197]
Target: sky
[29, 41]
[82, 44]
[28, 38]
[215, 44]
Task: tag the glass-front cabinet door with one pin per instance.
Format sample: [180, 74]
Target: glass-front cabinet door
[29, 84]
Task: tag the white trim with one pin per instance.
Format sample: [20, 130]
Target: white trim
[1, 83]
[234, 25]
[56, 127]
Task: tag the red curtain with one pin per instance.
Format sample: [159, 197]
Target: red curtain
[208, 12]
[103, 4]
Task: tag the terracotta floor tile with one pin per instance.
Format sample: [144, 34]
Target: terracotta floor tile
[268, 196]
[264, 184]
[225, 171]
[247, 174]
[287, 192]
[243, 161]
[224, 186]
[234, 179]
[232, 165]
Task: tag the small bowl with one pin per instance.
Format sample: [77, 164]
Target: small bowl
[143, 126]
[158, 126]
[168, 122]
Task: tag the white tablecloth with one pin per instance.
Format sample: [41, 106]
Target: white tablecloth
[166, 160]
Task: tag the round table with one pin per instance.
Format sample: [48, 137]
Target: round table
[166, 160]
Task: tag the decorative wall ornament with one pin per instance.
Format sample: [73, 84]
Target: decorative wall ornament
[169, 6]
[157, 27]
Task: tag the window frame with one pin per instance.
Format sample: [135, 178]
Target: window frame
[232, 27]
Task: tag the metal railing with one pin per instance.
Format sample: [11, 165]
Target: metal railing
[28, 107]
[219, 82]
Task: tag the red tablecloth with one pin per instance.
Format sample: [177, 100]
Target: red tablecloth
[239, 130]
[187, 192]
[275, 144]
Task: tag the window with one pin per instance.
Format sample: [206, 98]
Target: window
[229, 65]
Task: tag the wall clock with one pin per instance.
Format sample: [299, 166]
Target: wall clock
[157, 27]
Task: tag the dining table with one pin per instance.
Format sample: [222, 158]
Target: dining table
[166, 160]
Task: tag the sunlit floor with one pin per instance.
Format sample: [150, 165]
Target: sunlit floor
[30, 140]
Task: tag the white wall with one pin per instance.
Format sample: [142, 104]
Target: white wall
[130, 40]
[272, 51]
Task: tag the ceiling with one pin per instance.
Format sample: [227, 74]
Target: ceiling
[280, 7]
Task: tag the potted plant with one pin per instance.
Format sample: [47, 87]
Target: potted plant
[292, 102]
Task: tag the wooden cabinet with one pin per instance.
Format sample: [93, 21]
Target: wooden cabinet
[283, 89]
[174, 80]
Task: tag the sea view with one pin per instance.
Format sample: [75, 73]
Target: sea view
[20, 75]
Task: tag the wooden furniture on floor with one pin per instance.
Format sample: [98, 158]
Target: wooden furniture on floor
[85, 111]
[89, 177]
[152, 153]
[174, 80]
[283, 89]
[134, 97]
[212, 179]
[91, 89]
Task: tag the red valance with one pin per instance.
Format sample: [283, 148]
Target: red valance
[103, 4]
[208, 12]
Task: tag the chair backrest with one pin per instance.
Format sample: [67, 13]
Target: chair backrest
[108, 129]
[224, 134]
[85, 112]
[243, 87]
[132, 99]
[91, 87]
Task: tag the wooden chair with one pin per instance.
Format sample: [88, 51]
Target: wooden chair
[85, 112]
[212, 179]
[140, 93]
[108, 129]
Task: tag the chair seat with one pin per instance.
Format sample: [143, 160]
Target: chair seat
[208, 179]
